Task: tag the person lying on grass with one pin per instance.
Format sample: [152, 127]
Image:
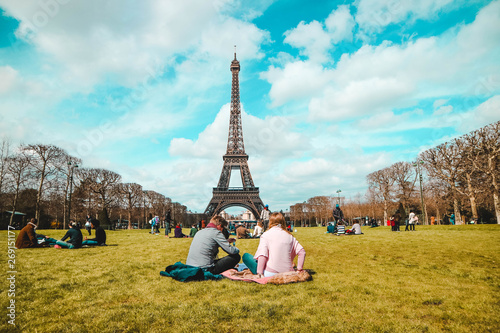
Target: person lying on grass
[277, 250]
[100, 235]
[205, 247]
[75, 238]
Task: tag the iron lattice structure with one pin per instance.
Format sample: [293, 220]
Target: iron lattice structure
[235, 158]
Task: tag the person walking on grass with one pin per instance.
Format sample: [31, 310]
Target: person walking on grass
[277, 250]
[409, 220]
[205, 247]
[264, 216]
[157, 225]
[413, 221]
[168, 220]
[88, 223]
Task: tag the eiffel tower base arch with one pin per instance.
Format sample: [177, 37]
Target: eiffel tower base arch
[226, 198]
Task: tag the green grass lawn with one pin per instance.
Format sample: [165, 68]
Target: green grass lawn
[436, 279]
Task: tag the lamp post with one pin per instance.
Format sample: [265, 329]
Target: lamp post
[338, 194]
[418, 166]
[72, 167]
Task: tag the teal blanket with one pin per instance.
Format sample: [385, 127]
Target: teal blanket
[185, 273]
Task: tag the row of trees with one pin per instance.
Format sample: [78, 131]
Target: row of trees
[46, 182]
[459, 177]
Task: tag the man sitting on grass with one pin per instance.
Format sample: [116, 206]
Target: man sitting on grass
[205, 247]
[100, 235]
[241, 231]
[75, 238]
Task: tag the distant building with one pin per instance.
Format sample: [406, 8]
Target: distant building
[225, 215]
[247, 215]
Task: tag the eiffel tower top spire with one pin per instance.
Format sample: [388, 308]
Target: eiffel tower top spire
[235, 145]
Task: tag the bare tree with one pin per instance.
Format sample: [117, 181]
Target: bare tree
[297, 213]
[66, 170]
[46, 160]
[404, 179]
[487, 143]
[381, 183]
[445, 162]
[468, 146]
[132, 195]
[101, 182]
[4, 162]
[19, 170]
[159, 204]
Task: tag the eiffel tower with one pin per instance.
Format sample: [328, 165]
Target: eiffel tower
[235, 158]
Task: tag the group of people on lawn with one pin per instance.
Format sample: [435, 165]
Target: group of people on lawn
[275, 254]
[29, 238]
[338, 226]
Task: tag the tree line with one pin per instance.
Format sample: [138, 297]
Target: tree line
[461, 176]
[45, 182]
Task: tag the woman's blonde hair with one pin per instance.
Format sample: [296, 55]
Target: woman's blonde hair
[277, 219]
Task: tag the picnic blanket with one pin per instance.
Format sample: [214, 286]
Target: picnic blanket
[280, 278]
[185, 273]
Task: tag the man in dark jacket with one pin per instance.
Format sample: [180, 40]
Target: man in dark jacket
[100, 235]
[75, 237]
[27, 236]
[338, 215]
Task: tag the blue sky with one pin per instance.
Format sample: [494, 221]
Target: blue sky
[331, 90]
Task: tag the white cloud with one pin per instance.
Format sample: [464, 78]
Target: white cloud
[439, 102]
[388, 76]
[296, 80]
[375, 15]
[268, 138]
[484, 114]
[443, 110]
[340, 24]
[315, 39]
[9, 79]
[211, 142]
[311, 39]
[90, 41]
[359, 98]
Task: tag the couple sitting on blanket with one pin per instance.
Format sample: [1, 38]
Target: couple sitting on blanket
[275, 254]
